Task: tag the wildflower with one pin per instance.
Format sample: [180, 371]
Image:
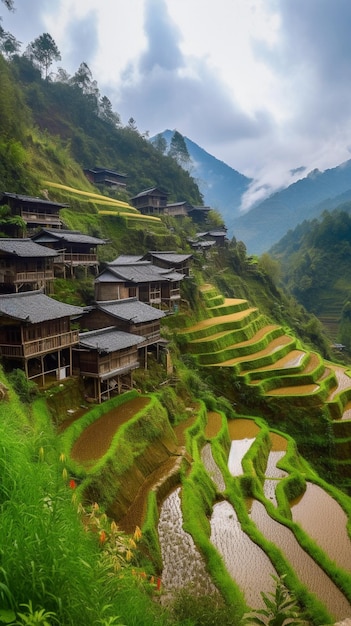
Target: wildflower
[64, 474]
[72, 483]
[102, 537]
[132, 543]
[62, 457]
[41, 454]
[137, 533]
[114, 527]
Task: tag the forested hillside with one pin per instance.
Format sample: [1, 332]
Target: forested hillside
[315, 261]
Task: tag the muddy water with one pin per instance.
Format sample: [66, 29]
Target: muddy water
[242, 428]
[214, 424]
[96, 439]
[325, 521]
[245, 561]
[183, 565]
[305, 567]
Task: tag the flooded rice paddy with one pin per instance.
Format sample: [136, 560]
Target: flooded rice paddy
[318, 514]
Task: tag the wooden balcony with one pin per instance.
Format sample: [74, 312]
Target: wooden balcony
[32, 277]
[40, 346]
[74, 259]
[38, 217]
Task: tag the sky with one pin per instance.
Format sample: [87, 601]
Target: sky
[263, 85]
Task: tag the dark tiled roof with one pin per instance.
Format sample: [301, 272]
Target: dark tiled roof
[125, 259]
[30, 199]
[151, 191]
[143, 273]
[171, 257]
[108, 340]
[35, 307]
[25, 248]
[48, 235]
[131, 309]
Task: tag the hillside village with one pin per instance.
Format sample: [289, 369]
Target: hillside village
[102, 343]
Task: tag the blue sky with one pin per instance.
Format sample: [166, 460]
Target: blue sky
[263, 85]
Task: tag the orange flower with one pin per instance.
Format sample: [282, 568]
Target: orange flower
[102, 537]
[72, 483]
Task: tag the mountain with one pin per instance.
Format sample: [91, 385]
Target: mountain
[222, 187]
[270, 220]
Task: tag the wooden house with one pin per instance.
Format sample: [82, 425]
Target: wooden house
[170, 261]
[36, 335]
[102, 177]
[218, 236]
[74, 249]
[199, 214]
[150, 201]
[142, 280]
[106, 359]
[35, 212]
[178, 209]
[131, 316]
[25, 265]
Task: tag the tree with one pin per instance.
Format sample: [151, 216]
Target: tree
[160, 143]
[106, 112]
[43, 51]
[178, 150]
[8, 43]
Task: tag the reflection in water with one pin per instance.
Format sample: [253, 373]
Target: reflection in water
[183, 565]
[305, 567]
[238, 450]
[212, 468]
[325, 521]
[274, 474]
[248, 565]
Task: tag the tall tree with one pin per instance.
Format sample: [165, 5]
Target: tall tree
[43, 51]
[178, 150]
[160, 143]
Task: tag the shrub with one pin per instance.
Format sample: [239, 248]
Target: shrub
[26, 389]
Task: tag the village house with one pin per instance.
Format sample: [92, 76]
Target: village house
[150, 201]
[35, 212]
[102, 177]
[131, 316]
[106, 359]
[142, 280]
[219, 237]
[178, 209]
[199, 214]
[25, 265]
[36, 335]
[74, 250]
[170, 260]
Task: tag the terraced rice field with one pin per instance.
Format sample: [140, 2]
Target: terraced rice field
[235, 335]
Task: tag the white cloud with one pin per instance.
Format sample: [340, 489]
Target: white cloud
[261, 84]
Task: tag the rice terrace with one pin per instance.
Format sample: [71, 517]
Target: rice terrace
[227, 496]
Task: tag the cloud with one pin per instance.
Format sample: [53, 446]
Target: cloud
[166, 89]
[163, 39]
[82, 35]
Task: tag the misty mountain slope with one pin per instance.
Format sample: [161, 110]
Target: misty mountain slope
[269, 221]
[222, 187]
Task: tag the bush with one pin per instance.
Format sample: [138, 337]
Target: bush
[25, 389]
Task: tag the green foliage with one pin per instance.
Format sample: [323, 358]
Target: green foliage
[203, 610]
[26, 389]
[281, 608]
[44, 51]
